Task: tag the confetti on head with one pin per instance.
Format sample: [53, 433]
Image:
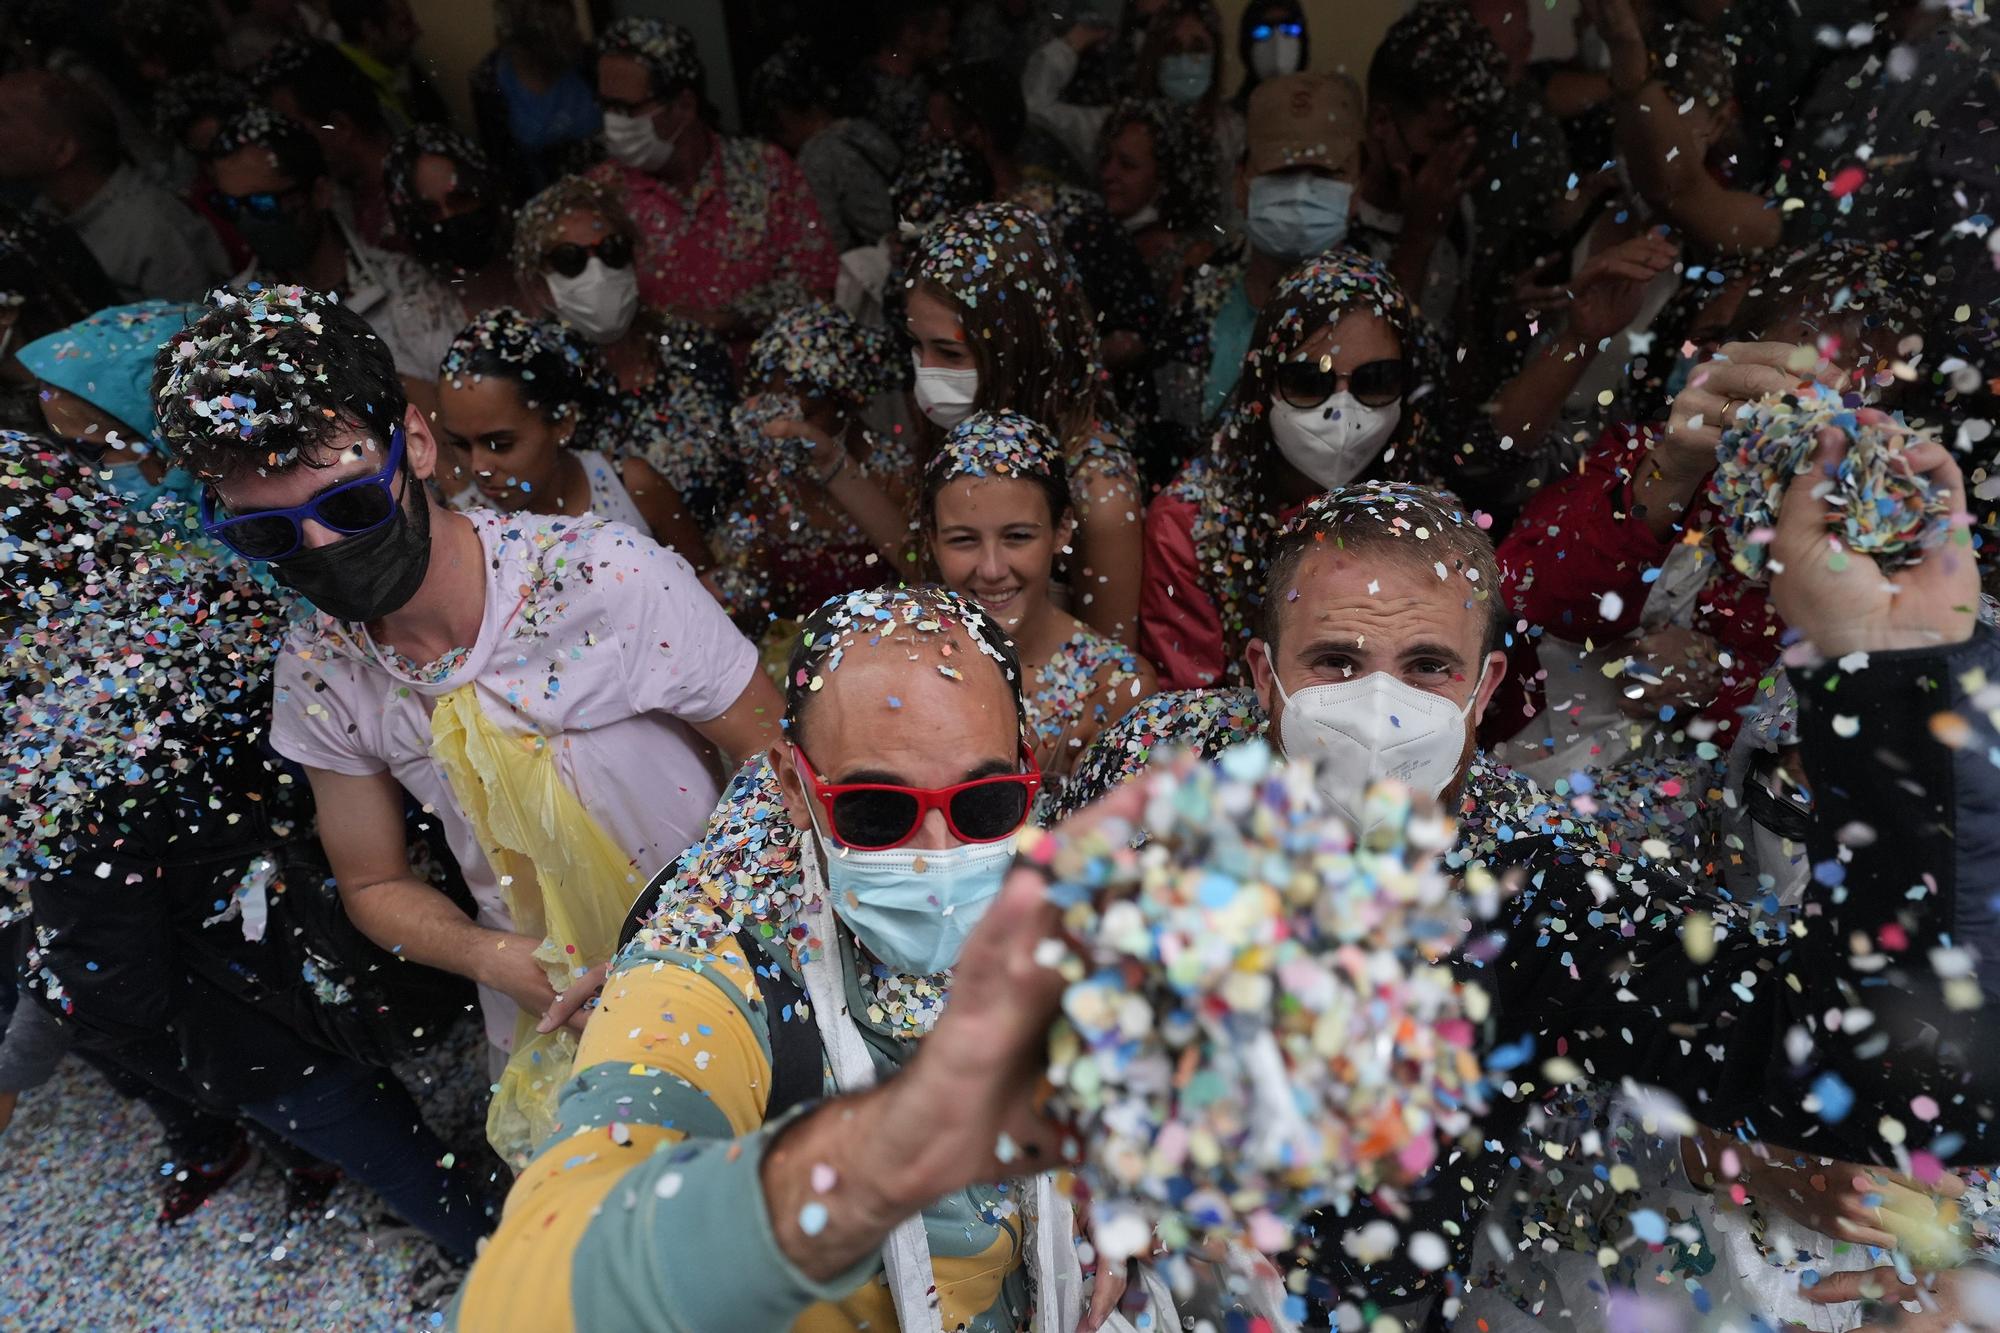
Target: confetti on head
[268, 373]
[1390, 520]
[107, 360]
[557, 370]
[538, 223]
[818, 351]
[185, 101]
[999, 444]
[294, 152]
[926, 614]
[667, 50]
[412, 213]
[1859, 302]
[1439, 50]
[938, 180]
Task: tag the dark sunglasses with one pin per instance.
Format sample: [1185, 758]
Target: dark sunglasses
[1263, 32]
[350, 509]
[570, 259]
[1310, 383]
[876, 816]
[267, 204]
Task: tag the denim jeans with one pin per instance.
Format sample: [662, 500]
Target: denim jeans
[364, 1122]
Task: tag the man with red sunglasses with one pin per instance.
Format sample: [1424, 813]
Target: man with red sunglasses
[471, 662]
[799, 951]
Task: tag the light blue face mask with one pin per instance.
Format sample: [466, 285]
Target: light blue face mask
[1295, 215]
[1187, 78]
[914, 908]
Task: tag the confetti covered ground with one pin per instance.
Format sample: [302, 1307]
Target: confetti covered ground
[81, 1250]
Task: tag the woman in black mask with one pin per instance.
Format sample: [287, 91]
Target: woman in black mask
[447, 201]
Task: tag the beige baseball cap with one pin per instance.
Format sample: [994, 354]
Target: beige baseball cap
[1304, 120]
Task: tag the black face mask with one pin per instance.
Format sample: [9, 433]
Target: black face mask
[459, 245]
[372, 575]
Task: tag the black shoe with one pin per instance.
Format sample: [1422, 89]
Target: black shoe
[307, 1189]
[434, 1279]
[190, 1187]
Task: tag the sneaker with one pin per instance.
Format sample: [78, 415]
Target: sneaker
[434, 1279]
[189, 1188]
[307, 1189]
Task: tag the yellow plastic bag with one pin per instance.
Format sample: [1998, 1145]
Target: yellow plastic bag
[563, 878]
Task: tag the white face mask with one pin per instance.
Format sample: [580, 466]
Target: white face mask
[1335, 441]
[1278, 55]
[946, 396]
[1142, 219]
[1370, 729]
[634, 141]
[600, 301]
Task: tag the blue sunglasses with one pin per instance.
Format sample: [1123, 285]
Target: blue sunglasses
[264, 204]
[1263, 32]
[350, 509]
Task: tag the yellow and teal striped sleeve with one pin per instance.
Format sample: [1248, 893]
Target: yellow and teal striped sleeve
[645, 1209]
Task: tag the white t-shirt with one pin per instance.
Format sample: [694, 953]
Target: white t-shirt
[593, 633]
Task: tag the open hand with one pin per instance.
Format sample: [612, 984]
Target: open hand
[573, 1007]
[1608, 290]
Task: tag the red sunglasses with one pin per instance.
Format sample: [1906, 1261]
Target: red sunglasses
[876, 816]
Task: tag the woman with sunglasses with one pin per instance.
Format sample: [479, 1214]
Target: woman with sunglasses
[575, 255]
[996, 511]
[524, 398]
[829, 472]
[816, 929]
[999, 325]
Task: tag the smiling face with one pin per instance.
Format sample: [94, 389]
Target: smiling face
[1349, 614]
[995, 541]
[1130, 171]
[516, 450]
[938, 333]
[889, 714]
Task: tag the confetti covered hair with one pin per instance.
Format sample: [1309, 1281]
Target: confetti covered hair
[540, 219]
[820, 352]
[926, 613]
[323, 82]
[1023, 314]
[998, 444]
[399, 172]
[1184, 155]
[1393, 520]
[1438, 50]
[182, 101]
[1695, 61]
[267, 373]
[559, 374]
[1856, 297]
[938, 179]
[293, 149]
[667, 50]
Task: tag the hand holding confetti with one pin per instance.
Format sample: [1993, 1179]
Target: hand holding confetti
[1875, 501]
[1264, 1025]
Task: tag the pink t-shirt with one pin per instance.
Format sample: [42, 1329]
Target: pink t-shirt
[593, 633]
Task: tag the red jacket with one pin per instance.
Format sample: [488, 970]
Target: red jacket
[1180, 626]
[1577, 540]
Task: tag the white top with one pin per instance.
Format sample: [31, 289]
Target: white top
[592, 633]
[609, 499]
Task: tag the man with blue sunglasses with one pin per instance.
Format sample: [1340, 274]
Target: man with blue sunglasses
[554, 687]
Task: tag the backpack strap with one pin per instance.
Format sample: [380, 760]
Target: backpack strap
[798, 1065]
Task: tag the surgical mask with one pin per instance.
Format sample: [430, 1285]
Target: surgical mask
[1275, 56]
[1142, 219]
[1334, 441]
[1373, 729]
[1186, 78]
[946, 396]
[913, 908]
[370, 576]
[634, 141]
[1297, 214]
[600, 301]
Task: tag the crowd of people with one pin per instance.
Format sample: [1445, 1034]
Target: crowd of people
[697, 600]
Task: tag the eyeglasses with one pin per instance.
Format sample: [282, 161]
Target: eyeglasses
[1264, 32]
[1311, 382]
[265, 204]
[570, 259]
[876, 816]
[350, 509]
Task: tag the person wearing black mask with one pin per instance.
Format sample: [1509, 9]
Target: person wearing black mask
[271, 182]
[445, 200]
